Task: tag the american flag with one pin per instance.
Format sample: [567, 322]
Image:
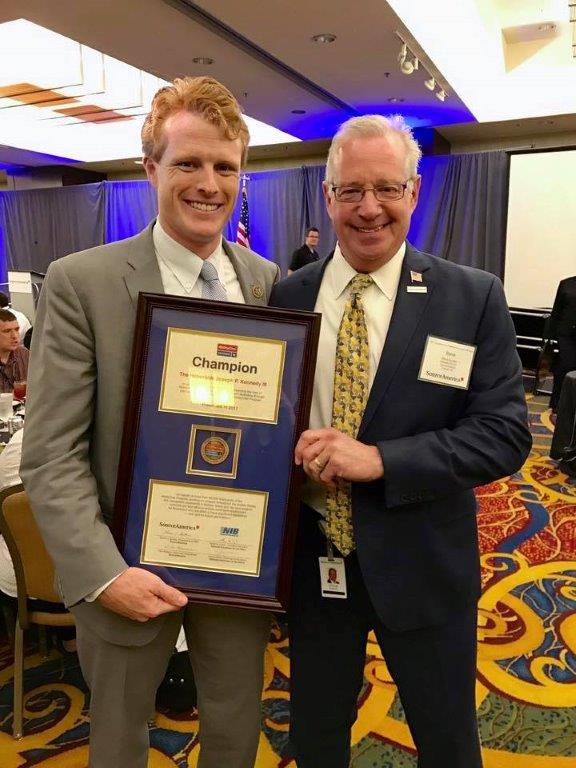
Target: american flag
[243, 231]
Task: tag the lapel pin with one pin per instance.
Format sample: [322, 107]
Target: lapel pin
[257, 291]
[416, 277]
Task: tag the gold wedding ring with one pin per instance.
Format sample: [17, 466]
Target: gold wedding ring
[318, 465]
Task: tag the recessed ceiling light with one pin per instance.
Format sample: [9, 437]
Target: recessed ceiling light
[325, 37]
[202, 60]
[546, 27]
[395, 99]
[298, 111]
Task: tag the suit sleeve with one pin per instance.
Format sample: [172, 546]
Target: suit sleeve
[556, 311]
[489, 439]
[55, 465]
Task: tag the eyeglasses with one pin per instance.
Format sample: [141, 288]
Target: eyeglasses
[384, 193]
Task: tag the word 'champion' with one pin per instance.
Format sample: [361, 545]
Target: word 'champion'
[222, 365]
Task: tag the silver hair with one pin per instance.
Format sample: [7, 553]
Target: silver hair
[372, 126]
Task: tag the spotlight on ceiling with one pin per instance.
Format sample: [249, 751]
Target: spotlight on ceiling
[407, 66]
[441, 94]
[325, 37]
[430, 84]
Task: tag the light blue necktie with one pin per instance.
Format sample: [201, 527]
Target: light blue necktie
[212, 288]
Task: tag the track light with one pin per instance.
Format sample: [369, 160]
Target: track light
[407, 66]
[409, 63]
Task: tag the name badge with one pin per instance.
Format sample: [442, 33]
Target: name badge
[416, 289]
[447, 362]
[332, 577]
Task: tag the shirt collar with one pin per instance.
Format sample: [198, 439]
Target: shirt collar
[184, 264]
[387, 277]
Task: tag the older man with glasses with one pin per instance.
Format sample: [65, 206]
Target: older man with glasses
[417, 399]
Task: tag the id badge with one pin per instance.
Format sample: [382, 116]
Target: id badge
[447, 362]
[332, 577]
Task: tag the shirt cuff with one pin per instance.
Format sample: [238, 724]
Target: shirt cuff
[97, 592]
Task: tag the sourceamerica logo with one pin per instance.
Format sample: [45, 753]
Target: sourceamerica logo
[227, 350]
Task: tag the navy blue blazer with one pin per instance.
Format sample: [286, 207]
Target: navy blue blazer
[415, 529]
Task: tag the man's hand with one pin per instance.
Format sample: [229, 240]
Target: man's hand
[328, 455]
[141, 595]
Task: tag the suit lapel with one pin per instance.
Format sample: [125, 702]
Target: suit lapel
[142, 273]
[408, 311]
[251, 285]
[310, 285]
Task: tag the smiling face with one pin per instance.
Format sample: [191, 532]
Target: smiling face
[370, 232]
[197, 179]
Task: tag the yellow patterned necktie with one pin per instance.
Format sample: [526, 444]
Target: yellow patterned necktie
[348, 404]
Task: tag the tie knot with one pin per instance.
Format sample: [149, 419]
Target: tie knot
[359, 283]
[208, 272]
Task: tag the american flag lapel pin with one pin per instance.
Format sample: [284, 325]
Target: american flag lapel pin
[416, 277]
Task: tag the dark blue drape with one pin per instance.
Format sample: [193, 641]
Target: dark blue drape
[41, 225]
[460, 216]
[130, 206]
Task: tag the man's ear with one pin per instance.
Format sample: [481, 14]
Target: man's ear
[151, 170]
[415, 191]
[328, 197]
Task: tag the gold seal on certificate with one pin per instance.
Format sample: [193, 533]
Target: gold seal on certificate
[214, 450]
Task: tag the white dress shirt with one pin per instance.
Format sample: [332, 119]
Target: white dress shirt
[378, 302]
[180, 268]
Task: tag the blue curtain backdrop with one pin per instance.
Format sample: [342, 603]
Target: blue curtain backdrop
[41, 225]
[461, 215]
[130, 206]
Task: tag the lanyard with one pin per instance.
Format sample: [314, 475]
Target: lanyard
[329, 547]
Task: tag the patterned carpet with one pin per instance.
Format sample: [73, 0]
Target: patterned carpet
[526, 690]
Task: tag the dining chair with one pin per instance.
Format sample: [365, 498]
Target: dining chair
[34, 578]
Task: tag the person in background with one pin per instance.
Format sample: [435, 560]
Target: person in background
[562, 327]
[195, 143]
[23, 322]
[417, 399]
[307, 253]
[13, 356]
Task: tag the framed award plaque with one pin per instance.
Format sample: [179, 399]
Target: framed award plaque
[208, 492]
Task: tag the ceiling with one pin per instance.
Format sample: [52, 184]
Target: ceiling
[497, 60]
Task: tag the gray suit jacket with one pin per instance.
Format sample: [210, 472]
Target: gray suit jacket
[77, 390]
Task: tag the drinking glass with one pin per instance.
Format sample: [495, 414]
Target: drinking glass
[6, 411]
[20, 391]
